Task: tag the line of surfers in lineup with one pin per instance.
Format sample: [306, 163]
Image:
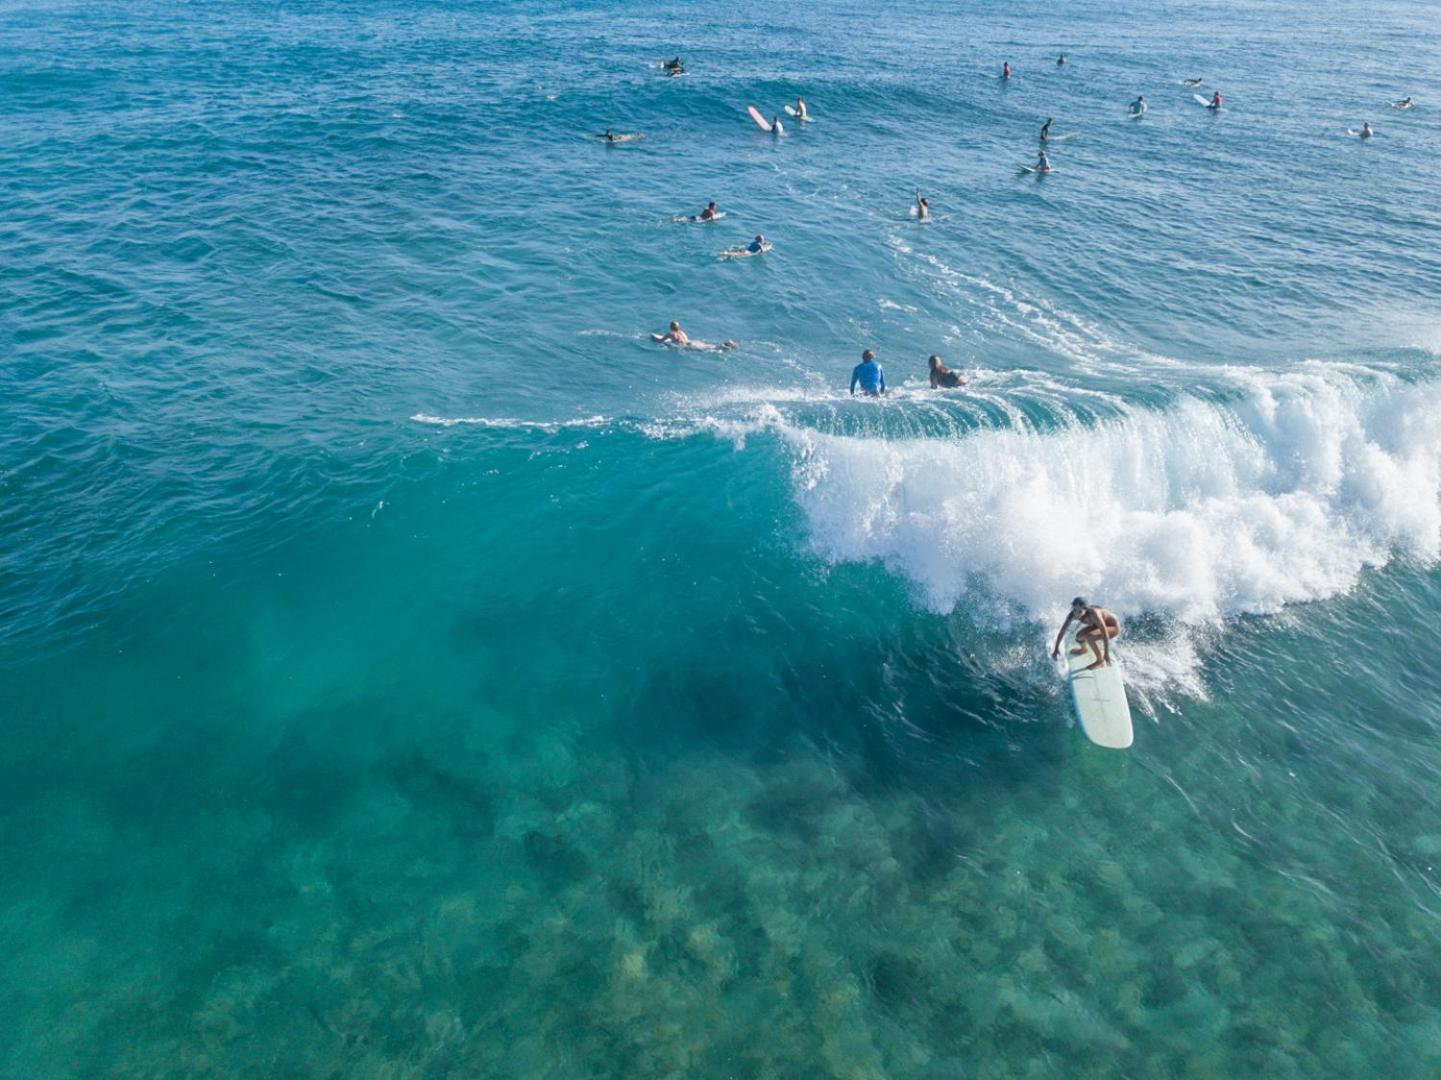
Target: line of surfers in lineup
[1096, 627]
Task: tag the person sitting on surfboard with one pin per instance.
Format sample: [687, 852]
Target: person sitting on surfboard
[870, 375]
[1366, 131]
[1061, 60]
[801, 112]
[673, 65]
[943, 377]
[1098, 627]
[1006, 70]
[1043, 163]
[1138, 107]
[1215, 100]
[1046, 128]
[923, 208]
[776, 128]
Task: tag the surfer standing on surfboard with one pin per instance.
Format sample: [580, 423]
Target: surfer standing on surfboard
[1098, 627]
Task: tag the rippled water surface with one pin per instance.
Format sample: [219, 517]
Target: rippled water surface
[407, 668]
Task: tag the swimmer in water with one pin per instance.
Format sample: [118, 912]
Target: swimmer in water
[923, 208]
[1138, 107]
[869, 375]
[1043, 163]
[1366, 131]
[1215, 100]
[1006, 70]
[942, 377]
[1046, 128]
[1404, 103]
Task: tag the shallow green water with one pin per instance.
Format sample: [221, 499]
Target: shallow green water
[406, 670]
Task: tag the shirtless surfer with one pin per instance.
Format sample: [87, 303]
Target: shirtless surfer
[1097, 627]
[923, 208]
[1046, 128]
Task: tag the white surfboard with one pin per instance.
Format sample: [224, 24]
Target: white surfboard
[761, 121]
[1038, 172]
[1064, 137]
[696, 219]
[1100, 700]
[1204, 101]
[791, 110]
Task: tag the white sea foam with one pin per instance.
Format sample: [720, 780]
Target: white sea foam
[1197, 511]
[509, 422]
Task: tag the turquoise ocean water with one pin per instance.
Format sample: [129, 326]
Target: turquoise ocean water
[408, 669]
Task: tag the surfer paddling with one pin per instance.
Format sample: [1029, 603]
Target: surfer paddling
[611, 137]
[1097, 627]
[942, 377]
[869, 376]
[678, 338]
[1404, 103]
[756, 247]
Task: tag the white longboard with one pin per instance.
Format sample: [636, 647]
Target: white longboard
[761, 121]
[1100, 700]
[1204, 102]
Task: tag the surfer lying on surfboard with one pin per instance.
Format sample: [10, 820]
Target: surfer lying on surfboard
[755, 247]
[681, 340]
[611, 137]
[710, 213]
[1098, 627]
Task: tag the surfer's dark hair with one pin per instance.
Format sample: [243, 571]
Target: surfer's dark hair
[1079, 601]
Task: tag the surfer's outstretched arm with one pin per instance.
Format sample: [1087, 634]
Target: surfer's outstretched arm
[1056, 651]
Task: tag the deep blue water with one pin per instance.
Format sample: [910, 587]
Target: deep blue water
[408, 668]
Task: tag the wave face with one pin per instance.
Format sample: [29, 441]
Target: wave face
[1279, 493]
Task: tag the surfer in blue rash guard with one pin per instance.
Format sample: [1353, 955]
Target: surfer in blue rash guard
[870, 375]
[1097, 627]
